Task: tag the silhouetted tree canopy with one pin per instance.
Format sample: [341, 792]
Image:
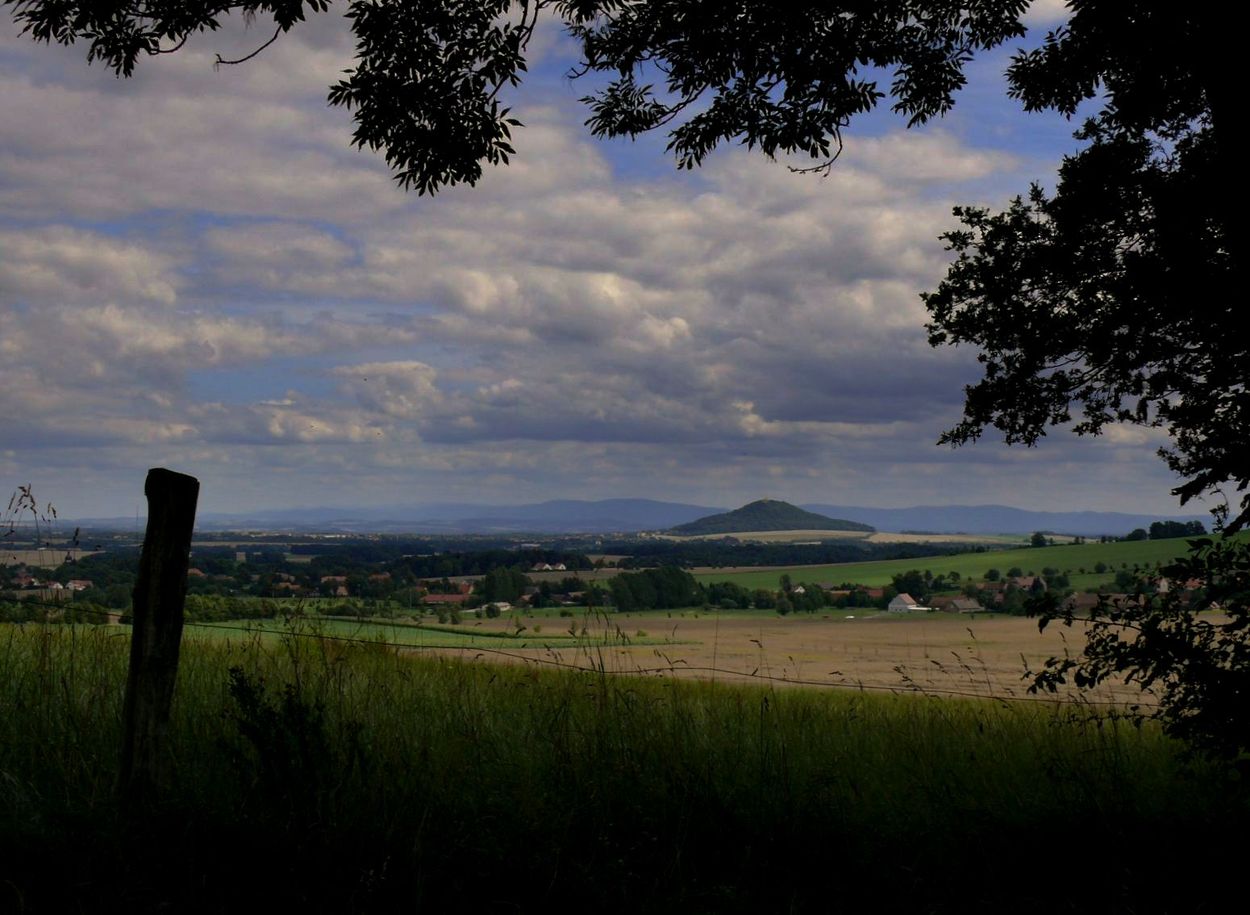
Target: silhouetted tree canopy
[1113, 299]
[425, 90]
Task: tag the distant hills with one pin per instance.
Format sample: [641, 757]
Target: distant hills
[626, 516]
[558, 516]
[766, 515]
[997, 519]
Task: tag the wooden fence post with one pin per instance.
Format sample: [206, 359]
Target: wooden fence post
[159, 599]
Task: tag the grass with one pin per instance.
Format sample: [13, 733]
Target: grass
[1146, 553]
[344, 777]
[414, 635]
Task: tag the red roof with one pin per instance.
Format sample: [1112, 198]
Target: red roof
[443, 599]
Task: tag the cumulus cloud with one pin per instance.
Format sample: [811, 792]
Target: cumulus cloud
[227, 286]
[66, 265]
[402, 389]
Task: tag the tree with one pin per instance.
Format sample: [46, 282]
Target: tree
[1038, 539]
[1198, 667]
[1162, 530]
[911, 582]
[428, 76]
[1112, 299]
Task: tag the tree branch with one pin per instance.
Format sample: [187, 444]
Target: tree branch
[221, 60]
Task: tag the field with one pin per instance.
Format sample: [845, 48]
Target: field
[43, 557]
[930, 653]
[1065, 557]
[816, 536]
[475, 635]
[321, 776]
[685, 760]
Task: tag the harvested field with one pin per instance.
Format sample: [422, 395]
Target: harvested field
[47, 558]
[929, 653]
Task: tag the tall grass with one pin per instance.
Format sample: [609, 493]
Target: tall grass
[353, 778]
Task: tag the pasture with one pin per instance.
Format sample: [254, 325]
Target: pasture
[1031, 560]
[511, 635]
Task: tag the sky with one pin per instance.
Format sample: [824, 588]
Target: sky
[198, 271]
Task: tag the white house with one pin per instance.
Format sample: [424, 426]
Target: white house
[904, 603]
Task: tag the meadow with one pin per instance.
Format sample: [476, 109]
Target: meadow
[320, 775]
[1031, 560]
[512, 633]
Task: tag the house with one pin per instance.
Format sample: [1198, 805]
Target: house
[78, 584]
[449, 599]
[1081, 603]
[904, 603]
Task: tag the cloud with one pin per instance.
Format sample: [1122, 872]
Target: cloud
[1047, 13]
[65, 265]
[398, 389]
[226, 285]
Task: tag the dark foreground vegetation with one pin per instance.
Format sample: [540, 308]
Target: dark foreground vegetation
[319, 777]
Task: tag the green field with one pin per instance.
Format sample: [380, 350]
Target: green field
[558, 633]
[1068, 558]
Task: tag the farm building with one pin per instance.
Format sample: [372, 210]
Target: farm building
[904, 603]
[456, 599]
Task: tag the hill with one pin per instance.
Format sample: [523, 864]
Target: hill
[556, 516]
[766, 515]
